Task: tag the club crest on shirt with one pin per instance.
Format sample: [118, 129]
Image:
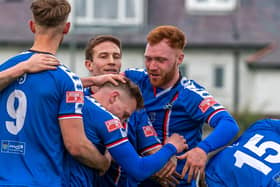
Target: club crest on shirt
[149, 131]
[113, 125]
[206, 104]
[22, 79]
[123, 132]
[74, 97]
[168, 106]
[276, 178]
[152, 116]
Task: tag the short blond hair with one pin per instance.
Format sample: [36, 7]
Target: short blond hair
[50, 13]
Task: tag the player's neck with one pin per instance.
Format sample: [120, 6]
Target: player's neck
[101, 98]
[94, 89]
[172, 82]
[44, 44]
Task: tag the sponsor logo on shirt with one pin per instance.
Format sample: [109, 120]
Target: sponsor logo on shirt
[14, 147]
[149, 131]
[206, 104]
[113, 124]
[74, 97]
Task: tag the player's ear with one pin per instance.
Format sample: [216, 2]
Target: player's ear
[31, 26]
[66, 28]
[114, 96]
[180, 57]
[89, 65]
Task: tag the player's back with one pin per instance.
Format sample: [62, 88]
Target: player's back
[253, 160]
[100, 130]
[31, 143]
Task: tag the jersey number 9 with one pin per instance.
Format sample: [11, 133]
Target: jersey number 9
[16, 108]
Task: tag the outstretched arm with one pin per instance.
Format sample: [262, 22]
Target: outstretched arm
[167, 175]
[36, 63]
[101, 79]
[125, 155]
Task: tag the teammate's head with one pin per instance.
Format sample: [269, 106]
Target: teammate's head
[164, 54]
[103, 55]
[50, 14]
[121, 100]
[175, 38]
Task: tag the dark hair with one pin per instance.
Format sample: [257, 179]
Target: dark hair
[97, 40]
[50, 13]
[175, 37]
[130, 88]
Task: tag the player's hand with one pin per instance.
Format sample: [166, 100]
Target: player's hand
[165, 175]
[40, 62]
[195, 163]
[101, 79]
[168, 169]
[108, 156]
[178, 141]
[164, 182]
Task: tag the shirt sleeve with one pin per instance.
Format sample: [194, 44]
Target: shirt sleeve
[146, 135]
[111, 131]
[135, 74]
[72, 98]
[142, 167]
[224, 126]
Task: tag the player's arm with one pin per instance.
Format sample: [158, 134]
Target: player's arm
[168, 174]
[101, 79]
[148, 143]
[36, 63]
[224, 125]
[79, 146]
[125, 155]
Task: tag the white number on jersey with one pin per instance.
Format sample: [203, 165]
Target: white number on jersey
[243, 158]
[18, 113]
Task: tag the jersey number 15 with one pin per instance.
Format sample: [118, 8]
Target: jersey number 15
[243, 158]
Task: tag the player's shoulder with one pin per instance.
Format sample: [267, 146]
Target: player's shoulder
[135, 70]
[139, 113]
[87, 91]
[11, 61]
[190, 88]
[265, 125]
[63, 69]
[136, 73]
[100, 113]
[138, 118]
[63, 75]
